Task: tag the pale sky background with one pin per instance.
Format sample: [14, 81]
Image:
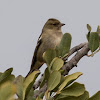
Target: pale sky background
[21, 22]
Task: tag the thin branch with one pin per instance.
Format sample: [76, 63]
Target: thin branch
[37, 83]
[74, 49]
[75, 59]
[41, 91]
[83, 50]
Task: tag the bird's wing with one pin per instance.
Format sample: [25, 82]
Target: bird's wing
[35, 53]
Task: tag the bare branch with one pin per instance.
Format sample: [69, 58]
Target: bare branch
[73, 62]
[37, 83]
[41, 90]
[74, 49]
[83, 50]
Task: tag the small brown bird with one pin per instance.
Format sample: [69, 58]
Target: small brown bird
[50, 37]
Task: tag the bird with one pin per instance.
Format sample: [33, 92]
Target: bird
[50, 37]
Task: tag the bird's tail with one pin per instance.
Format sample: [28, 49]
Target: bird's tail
[29, 73]
[34, 67]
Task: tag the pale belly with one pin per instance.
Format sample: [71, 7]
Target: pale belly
[49, 43]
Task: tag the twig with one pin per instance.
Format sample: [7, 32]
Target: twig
[83, 50]
[37, 83]
[73, 50]
[41, 91]
[73, 62]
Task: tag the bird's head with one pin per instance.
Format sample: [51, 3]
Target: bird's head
[53, 24]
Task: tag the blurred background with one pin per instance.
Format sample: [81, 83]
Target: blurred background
[21, 22]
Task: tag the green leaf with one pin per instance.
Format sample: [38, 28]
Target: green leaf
[47, 95]
[19, 86]
[29, 88]
[28, 82]
[7, 91]
[84, 96]
[88, 36]
[89, 27]
[30, 95]
[98, 29]
[6, 74]
[93, 41]
[53, 80]
[60, 97]
[41, 95]
[24, 85]
[57, 64]
[38, 98]
[95, 96]
[1, 73]
[49, 67]
[69, 79]
[61, 81]
[45, 77]
[9, 78]
[76, 89]
[49, 55]
[64, 45]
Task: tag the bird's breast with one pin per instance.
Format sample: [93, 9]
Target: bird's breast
[50, 41]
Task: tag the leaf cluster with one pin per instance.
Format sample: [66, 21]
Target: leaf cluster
[59, 87]
[93, 39]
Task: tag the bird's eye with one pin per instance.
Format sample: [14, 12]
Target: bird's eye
[54, 24]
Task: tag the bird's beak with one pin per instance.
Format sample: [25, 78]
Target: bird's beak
[62, 24]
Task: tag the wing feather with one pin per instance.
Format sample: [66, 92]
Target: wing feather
[34, 59]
